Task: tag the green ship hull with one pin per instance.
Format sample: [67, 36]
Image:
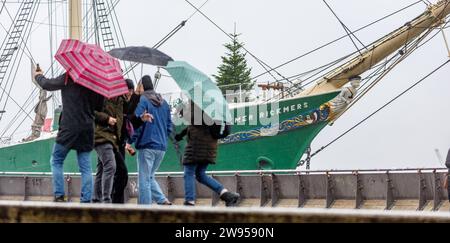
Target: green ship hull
[252, 145]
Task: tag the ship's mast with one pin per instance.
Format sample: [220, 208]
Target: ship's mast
[382, 48]
[75, 25]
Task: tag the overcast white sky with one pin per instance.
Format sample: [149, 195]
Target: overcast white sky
[404, 135]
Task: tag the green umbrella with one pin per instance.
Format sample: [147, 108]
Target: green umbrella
[201, 90]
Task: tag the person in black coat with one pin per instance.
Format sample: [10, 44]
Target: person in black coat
[121, 175]
[199, 153]
[76, 131]
[131, 123]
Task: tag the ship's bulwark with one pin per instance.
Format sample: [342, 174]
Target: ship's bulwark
[251, 142]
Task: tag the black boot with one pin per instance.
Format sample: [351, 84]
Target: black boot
[96, 201]
[59, 199]
[230, 198]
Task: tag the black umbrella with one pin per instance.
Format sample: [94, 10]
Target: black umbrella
[141, 54]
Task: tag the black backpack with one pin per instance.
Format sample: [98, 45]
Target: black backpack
[216, 129]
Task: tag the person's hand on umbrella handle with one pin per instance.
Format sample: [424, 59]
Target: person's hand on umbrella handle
[112, 121]
[147, 117]
[37, 71]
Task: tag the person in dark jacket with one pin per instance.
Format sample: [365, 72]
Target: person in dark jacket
[76, 131]
[121, 175]
[151, 142]
[108, 137]
[130, 124]
[133, 100]
[199, 153]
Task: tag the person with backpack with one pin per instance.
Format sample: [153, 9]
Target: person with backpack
[199, 153]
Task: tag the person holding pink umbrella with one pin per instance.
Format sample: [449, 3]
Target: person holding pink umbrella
[76, 131]
[91, 75]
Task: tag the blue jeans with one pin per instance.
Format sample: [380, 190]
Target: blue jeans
[198, 171]
[84, 163]
[148, 163]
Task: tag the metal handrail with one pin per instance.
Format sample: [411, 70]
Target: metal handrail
[257, 172]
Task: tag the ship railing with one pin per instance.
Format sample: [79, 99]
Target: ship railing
[420, 189]
[237, 94]
[262, 172]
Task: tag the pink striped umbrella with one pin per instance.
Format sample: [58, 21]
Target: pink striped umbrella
[93, 68]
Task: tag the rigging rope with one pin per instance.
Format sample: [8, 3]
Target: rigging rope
[24, 43]
[26, 104]
[170, 34]
[119, 34]
[319, 72]
[96, 31]
[413, 46]
[377, 111]
[88, 38]
[50, 16]
[4, 91]
[31, 97]
[406, 52]
[3, 6]
[33, 94]
[347, 30]
[430, 29]
[33, 13]
[262, 63]
[338, 39]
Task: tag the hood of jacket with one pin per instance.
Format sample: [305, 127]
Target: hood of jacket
[154, 97]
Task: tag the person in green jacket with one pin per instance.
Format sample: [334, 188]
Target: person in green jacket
[108, 134]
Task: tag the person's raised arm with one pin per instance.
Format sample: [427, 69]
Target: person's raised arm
[51, 84]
